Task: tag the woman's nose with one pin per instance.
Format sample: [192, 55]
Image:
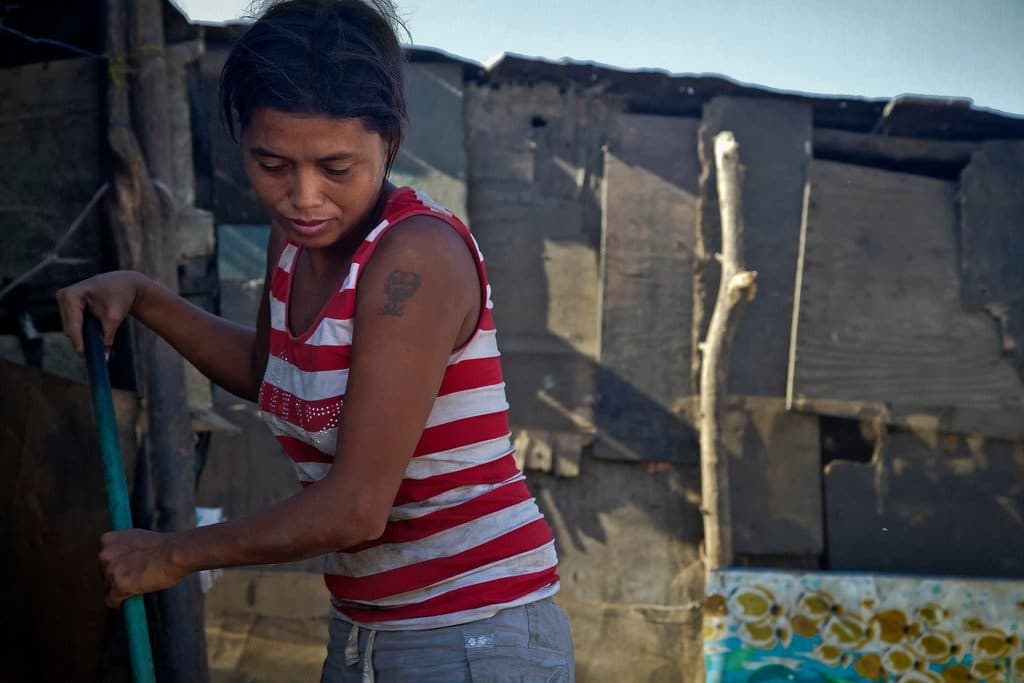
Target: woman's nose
[305, 191]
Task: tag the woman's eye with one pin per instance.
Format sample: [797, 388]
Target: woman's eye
[272, 168]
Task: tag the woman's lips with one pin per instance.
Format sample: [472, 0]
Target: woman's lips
[308, 227]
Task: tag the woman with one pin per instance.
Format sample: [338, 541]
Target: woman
[375, 365]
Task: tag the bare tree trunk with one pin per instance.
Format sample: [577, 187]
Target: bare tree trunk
[146, 240]
[737, 287]
[132, 201]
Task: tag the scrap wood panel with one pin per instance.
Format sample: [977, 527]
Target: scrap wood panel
[944, 118]
[775, 477]
[880, 330]
[775, 146]
[433, 157]
[651, 173]
[992, 240]
[50, 117]
[929, 502]
[936, 158]
[531, 155]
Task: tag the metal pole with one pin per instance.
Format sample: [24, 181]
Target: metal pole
[117, 489]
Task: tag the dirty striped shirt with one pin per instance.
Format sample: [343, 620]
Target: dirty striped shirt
[464, 537]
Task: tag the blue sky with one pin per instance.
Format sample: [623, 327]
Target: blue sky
[870, 48]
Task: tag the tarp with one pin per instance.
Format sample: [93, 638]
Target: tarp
[52, 514]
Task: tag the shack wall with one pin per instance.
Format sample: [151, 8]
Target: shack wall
[592, 196]
[581, 254]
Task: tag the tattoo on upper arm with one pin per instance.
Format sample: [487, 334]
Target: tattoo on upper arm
[400, 286]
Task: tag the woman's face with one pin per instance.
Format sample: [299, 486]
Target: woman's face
[318, 177]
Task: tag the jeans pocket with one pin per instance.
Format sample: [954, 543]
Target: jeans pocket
[516, 664]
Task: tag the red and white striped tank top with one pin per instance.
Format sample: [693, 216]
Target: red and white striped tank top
[464, 538]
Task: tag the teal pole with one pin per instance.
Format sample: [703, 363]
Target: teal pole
[134, 608]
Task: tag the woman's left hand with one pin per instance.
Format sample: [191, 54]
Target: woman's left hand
[136, 561]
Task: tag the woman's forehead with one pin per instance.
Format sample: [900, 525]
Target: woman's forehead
[313, 135]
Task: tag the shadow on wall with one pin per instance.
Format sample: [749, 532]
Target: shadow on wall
[627, 532]
[931, 503]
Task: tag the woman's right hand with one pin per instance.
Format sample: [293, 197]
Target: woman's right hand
[109, 296]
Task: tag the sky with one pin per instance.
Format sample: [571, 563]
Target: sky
[867, 48]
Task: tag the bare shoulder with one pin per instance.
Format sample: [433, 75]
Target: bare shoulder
[422, 271]
[428, 236]
[427, 245]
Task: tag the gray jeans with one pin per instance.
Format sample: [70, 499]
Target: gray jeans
[531, 644]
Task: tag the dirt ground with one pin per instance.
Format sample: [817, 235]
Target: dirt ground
[266, 626]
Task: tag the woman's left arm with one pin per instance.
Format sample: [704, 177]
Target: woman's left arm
[417, 294]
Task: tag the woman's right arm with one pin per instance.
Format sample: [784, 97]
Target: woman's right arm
[233, 356]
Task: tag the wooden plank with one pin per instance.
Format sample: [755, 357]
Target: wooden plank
[920, 115]
[651, 174]
[233, 199]
[774, 478]
[50, 120]
[930, 503]
[992, 240]
[550, 386]
[558, 453]
[775, 146]
[944, 118]
[433, 156]
[537, 222]
[656, 92]
[534, 178]
[880, 328]
[937, 158]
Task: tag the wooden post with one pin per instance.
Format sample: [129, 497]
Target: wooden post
[147, 241]
[736, 288]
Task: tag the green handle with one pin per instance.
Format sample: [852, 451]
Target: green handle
[117, 489]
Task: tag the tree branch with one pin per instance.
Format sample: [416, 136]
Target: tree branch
[736, 288]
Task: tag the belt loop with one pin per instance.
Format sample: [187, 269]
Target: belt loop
[352, 646]
[368, 675]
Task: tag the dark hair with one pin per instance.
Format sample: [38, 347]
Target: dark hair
[338, 58]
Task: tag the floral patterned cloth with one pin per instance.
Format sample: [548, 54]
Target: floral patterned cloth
[832, 627]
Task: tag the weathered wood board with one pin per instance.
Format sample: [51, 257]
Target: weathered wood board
[992, 240]
[774, 478]
[937, 158]
[51, 134]
[534, 177]
[628, 537]
[931, 503]
[774, 138]
[651, 173]
[433, 156]
[880, 328]
[944, 118]
[232, 198]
